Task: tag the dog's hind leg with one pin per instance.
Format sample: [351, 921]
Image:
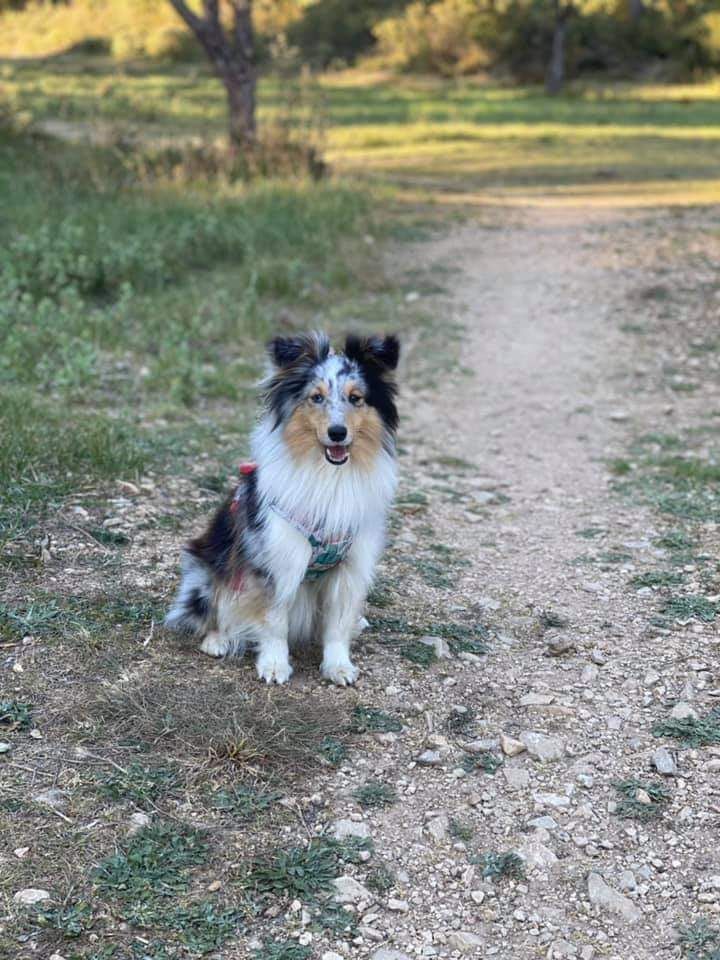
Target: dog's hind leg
[191, 609]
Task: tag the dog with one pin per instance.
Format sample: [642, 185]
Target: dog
[291, 553]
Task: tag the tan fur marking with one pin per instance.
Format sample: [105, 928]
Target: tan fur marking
[366, 428]
[303, 432]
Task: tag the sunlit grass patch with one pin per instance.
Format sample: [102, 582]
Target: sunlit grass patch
[140, 784]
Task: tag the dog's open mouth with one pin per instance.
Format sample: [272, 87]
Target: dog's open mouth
[336, 453]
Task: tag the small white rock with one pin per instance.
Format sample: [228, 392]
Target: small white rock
[350, 890]
[31, 895]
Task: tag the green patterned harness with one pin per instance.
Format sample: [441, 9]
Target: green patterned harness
[326, 554]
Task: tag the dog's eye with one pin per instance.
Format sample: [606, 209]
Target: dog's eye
[317, 398]
[355, 399]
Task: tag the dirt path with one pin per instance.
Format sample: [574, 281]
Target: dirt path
[552, 389]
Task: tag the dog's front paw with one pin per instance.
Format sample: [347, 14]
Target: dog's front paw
[273, 668]
[343, 673]
[214, 645]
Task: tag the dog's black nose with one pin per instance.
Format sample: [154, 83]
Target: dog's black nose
[337, 434]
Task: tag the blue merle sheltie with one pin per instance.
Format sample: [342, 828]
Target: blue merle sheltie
[290, 554]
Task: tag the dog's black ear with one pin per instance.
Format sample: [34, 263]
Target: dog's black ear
[383, 351]
[285, 350]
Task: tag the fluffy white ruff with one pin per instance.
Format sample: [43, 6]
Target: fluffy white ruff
[336, 499]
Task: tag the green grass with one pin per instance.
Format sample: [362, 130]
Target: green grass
[699, 941]
[421, 654]
[691, 731]
[366, 719]
[375, 794]
[691, 608]
[300, 872]
[15, 715]
[502, 866]
[485, 760]
[243, 803]
[282, 950]
[656, 578]
[142, 785]
[630, 808]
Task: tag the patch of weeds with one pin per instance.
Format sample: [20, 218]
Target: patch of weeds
[366, 719]
[675, 540]
[691, 608]
[70, 920]
[109, 538]
[460, 720]
[591, 533]
[631, 808]
[550, 620]
[380, 879]
[418, 653]
[620, 467]
[154, 862]
[374, 793]
[333, 750]
[15, 715]
[335, 918]
[656, 578]
[300, 872]
[414, 498]
[282, 950]
[461, 830]
[39, 618]
[142, 785]
[381, 595]
[203, 927]
[700, 941]
[244, 803]
[691, 731]
[485, 760]
[502, 866]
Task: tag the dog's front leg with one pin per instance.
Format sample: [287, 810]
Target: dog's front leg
[273, 659]
[342, 606]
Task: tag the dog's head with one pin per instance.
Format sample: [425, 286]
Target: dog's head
[338, 407]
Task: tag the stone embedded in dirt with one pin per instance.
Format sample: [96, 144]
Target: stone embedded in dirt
[664, 762]
[398, 906]
[511, 747]
[385, 954]
[556, 800]
[627, 880]
[438, 644]
[438, 827]
[429, 758]
[619, 416]
[342, 829]
[481, 746]
[542, 747]
[557, 645]
[599, 657]
[464, 941]
[5, 747]
[562, 948]
[603, 896]
[349, 890]
[51, 798]
[683, 711]
[536, 854]
[642, 796]
[138, 822]
[331, 955]
[30, 896]
[589, 673]
[21, 852]
[536, 700]
[546, 823]
[518, 778]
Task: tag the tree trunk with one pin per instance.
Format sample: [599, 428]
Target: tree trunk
[637, 9]
[240, 89]
[555, 78]
[231, 51]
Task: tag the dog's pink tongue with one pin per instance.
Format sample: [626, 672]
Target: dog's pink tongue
[337, 452]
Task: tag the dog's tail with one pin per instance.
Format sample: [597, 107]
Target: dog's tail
[190, 611]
